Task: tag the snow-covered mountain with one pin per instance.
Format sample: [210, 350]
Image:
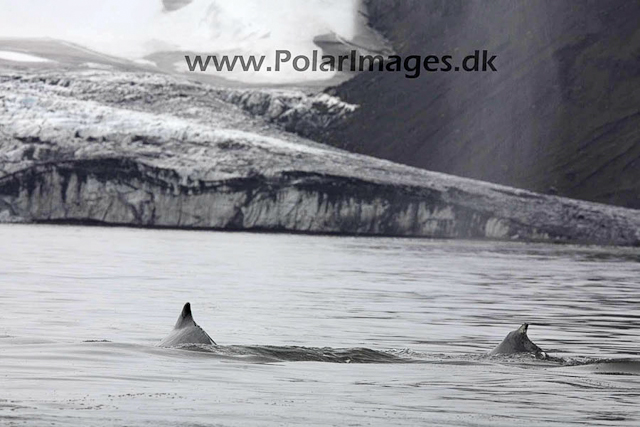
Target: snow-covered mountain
[100, 136]
[136, 29]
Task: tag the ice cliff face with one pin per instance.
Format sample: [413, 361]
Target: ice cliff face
[144, 149]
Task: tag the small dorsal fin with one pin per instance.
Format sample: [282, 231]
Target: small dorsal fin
[186, 318]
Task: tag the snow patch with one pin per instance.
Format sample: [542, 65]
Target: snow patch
[146, 62]
[9, 55]
[96, 66]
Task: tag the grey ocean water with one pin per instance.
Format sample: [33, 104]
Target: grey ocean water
[81, 310]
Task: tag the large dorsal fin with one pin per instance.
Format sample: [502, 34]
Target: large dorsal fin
[186, 318]
[186, 331]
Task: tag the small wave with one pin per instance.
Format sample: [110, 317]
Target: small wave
[608, 366]
[271, 354]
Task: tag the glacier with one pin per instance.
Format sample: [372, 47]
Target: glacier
[117, 143]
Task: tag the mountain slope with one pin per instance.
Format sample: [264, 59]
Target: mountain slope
[561, 114]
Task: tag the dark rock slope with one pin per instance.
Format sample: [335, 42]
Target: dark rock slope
[145, 149]
[562, 113]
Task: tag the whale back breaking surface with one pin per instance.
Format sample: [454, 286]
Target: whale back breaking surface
[186, 331]
[517, 342]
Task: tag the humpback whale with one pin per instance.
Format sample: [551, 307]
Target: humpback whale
[518, 342]
[186, 331]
